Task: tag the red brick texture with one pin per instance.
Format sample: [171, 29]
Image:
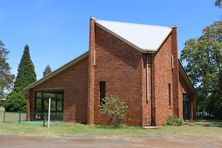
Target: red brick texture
[119, 65]
[150, 83]
[91, 74]
[74, 82]
[162, 78]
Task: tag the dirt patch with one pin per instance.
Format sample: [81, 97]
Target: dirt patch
[12, 141]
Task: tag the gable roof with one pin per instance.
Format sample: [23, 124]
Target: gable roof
[59, 70]
[145, 38]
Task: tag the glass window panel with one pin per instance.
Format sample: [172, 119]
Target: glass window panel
[49, 95]
[59, 106]
[46, 105]
[38, 105]
[38, 94]
[59, 95]
[53, 105]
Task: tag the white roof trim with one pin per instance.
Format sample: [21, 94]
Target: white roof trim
[145, 38]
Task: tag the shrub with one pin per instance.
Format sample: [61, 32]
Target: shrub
[174, 121]
[114, 108]
[15, 101]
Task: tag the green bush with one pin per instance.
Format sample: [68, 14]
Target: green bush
[174, 121]
[115, 109]
[15, 101]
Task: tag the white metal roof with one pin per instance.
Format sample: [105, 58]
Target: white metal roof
[146, 38]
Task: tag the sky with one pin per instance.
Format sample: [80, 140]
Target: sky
[57, 31]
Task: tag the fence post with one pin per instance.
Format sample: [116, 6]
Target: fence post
[4, 117]
[19, 117]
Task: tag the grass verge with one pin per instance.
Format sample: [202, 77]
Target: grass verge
[199, 128]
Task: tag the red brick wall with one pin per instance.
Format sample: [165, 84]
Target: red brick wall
[120, 66]
[74, 82]
[146, 89]
[162, 77]
[91, 73]
[175, 73]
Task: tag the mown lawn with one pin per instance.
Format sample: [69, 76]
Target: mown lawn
[199, 128]
[2, 109]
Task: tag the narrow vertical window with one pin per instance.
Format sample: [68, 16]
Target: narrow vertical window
[172, 62]
[102, 90]
[169, 92]
[94, 58]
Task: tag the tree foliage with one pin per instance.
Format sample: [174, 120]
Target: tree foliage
[26, 72]
[16, 100]
[47, 71]
[114, 108]
[218, 3]
[202, 58]
[6, 78]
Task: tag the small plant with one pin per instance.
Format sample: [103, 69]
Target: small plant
[174, 121]
[114, 108]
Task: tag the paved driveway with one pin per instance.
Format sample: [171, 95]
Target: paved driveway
[10, 141]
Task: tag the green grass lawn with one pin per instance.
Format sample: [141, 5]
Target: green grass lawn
[199, 128]
[2, 109]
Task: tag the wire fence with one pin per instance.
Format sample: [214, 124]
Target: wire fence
[25, 117]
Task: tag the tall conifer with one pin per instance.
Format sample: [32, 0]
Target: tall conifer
[16, 100]
[47, 70]
[26, 71]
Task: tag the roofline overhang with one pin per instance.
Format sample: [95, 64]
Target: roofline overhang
[58, 70]
[187, 78]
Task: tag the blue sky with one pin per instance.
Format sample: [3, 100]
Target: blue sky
[58, 30]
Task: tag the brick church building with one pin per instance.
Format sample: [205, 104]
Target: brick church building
[136, 62]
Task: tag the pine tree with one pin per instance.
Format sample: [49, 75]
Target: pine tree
[47, 70]
[26, 72]
[16, 100]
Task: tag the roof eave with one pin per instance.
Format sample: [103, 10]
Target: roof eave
[187, 77]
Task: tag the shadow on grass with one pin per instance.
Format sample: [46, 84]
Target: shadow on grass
[205, 123]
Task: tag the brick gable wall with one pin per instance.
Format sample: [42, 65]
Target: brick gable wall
[162, 77]
[74, 82]
[119, 65]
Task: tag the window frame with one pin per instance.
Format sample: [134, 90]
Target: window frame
[169, 94]
[102, 92]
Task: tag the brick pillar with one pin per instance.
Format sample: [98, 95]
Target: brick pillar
[28, 115]
[91, 73]
[175, 71]
[153, 92]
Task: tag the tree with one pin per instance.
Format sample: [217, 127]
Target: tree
[16, 100]
[47, 70]
[218, 3]
[6, 78]
[202, 58]
[26, 72]
[114, 108]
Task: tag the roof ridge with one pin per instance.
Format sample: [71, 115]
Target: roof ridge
[140, 24]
